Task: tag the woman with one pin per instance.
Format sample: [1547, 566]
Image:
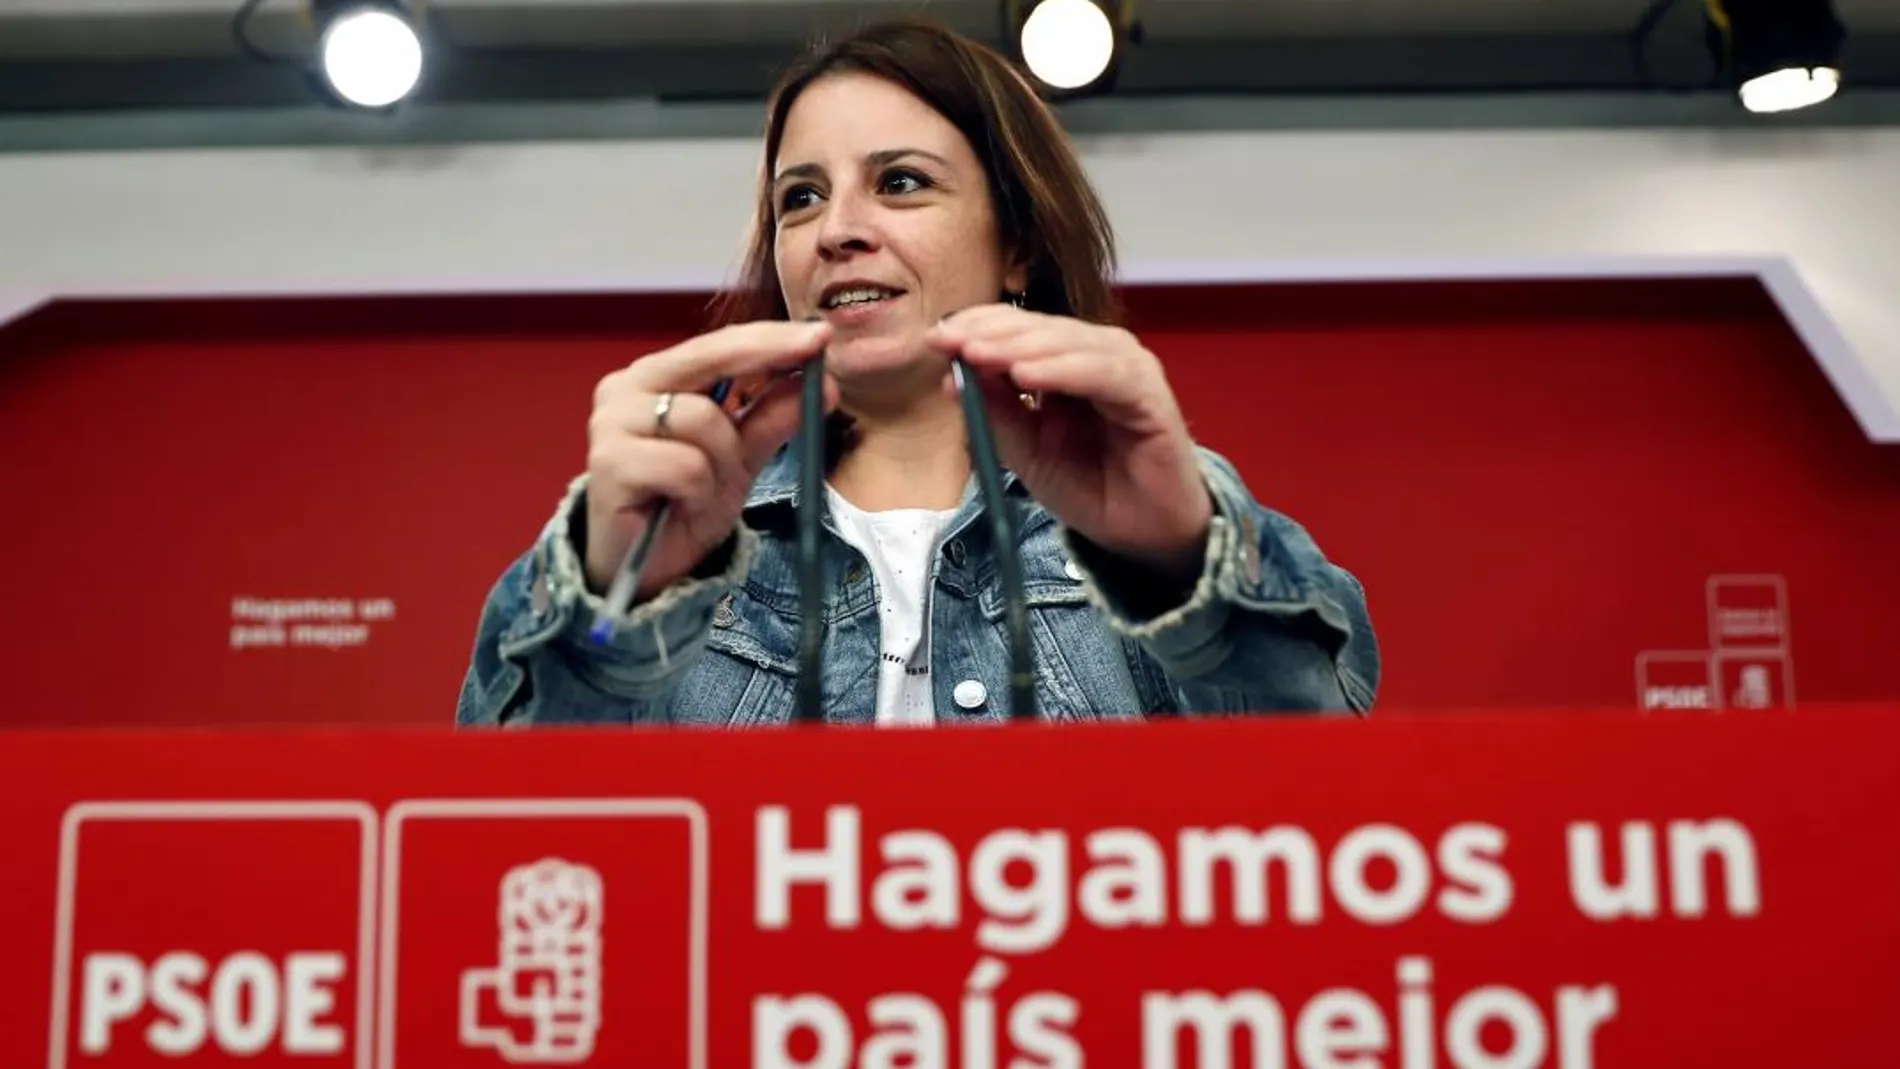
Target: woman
[918, 203]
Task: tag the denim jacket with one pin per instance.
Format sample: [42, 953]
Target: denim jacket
[1270, 626]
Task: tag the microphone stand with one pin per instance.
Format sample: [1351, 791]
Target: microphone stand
[811, 568]
[1003, 532]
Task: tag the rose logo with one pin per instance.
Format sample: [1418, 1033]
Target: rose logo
[551, 896]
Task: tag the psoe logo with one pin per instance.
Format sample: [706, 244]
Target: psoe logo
[1747, 665]
[1691, 697]
[540, 1002]
[1674, 679]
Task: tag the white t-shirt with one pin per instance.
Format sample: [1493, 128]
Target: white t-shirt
[900, 545]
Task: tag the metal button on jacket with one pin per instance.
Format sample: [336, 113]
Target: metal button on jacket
[969, 694]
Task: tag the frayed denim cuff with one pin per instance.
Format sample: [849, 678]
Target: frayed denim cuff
[652, 645]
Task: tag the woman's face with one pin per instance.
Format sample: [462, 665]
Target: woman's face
[884, 224]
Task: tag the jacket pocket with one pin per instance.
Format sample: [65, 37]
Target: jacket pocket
[1081, 671]
[742, 680]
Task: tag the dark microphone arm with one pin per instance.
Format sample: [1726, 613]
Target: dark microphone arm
[811, 577]
[811, 566]
[1003, 533]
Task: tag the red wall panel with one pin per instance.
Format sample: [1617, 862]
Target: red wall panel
[1535, 481]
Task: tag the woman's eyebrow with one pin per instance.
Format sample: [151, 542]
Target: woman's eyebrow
[876, 159]
[892, 155]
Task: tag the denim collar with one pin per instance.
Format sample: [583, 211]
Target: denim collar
[777, 485]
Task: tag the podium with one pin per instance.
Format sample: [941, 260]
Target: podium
[1491, 890]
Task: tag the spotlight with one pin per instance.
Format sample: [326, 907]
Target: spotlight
[1781, 54]
[369, 52]
[1070, 46]
[1789, 88]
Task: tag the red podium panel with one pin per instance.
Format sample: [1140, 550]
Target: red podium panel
[558, 895]
[1495, 892]
[171, 917]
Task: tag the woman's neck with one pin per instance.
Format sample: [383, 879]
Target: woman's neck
[909, 453]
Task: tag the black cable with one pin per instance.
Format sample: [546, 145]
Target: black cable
[811, 565]
[1003, 532]
[1639, 38]
[241, 33]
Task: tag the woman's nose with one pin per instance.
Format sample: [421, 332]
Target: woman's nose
[846, 228]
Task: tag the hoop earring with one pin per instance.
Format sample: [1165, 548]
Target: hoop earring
[1031, 400]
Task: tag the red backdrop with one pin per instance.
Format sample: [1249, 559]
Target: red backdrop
[1536, 481]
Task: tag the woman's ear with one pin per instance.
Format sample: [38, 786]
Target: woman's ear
[1016, 277]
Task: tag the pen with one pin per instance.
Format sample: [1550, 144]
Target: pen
[627, 580]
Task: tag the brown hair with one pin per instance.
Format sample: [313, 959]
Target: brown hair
[1046, 210]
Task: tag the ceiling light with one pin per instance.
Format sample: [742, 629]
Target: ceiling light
[368, 54]
[1780, 54]
[1789, 88]
[1070, 46]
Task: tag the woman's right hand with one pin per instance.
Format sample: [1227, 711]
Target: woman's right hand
[704, 461]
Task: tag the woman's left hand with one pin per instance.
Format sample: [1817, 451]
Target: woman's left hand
[1106, 451]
